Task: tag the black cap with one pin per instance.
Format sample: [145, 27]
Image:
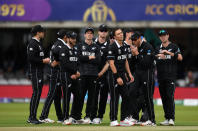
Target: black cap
[89, 29]
[162, 32]
[61, 33]
[37, 28]
[73, 35]
[135, 36]
[103, 27]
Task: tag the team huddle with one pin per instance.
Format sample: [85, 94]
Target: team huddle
[120, 63]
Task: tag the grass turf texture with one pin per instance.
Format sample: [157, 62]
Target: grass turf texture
[15, 115]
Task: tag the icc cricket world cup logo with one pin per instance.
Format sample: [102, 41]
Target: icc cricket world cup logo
[99, 12]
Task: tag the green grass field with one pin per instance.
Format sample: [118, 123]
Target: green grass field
[14, 115]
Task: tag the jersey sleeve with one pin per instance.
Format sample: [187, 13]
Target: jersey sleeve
[33, 56]
[111, 53]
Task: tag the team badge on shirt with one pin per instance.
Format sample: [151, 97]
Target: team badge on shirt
[93, 48]
[70, 52]
[63, 54]
[110, 52]
[149, 52]
[83, 47]
[119, 51]
[41, 54]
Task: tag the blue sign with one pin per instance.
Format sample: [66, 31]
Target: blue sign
[98, 10]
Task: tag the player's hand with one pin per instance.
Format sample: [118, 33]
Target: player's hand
[131, 78]
[99, 75]
[134, 51]
[54, 63]
[164, 52]
[73, 77]
[161, 56]
[77, 74]
[120, 81]
[46, 60]
[91, 57]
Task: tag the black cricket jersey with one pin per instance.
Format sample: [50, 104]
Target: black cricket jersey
[55, 51]
[131, 59]
[88, 67]
[145, 58]
[68, 59]
[35, 55]
[103, 53]
[167, 68]
[118, 53]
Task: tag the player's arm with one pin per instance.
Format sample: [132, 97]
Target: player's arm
[97, 57]
[111, 60]
[54, 63]
[104, 69]
[128, 70]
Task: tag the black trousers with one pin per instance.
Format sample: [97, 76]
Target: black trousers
[133, 95]
[115, 92]
[70, 86]
[54, 94]
[37, 85]
[102, 88]
[167, 90]
[144, 81]
[145, 109]
[88, 83]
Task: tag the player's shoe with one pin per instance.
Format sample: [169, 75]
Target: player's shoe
[146, 123]
[87, 120]
[47, 120]
[67, 122]
[114, 123]
[97, 121]
[126, 122]
[165, 123]
[33, 121]
[59, 121]
[80, 121]
[131, 119]
[171, 122]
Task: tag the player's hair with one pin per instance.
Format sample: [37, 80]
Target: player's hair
[127, 31]
[114, 30]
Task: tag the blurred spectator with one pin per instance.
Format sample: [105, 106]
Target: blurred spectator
[190, 79]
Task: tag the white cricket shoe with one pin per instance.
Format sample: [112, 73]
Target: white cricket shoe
[165, 123]
[146, 123]
[114, 123]
[59, 121]
[97, 121]
[171, 122]
[132, 120]
[47, 120]
[67, 122]
[87, 120]
[81, 121]
[126, 122]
